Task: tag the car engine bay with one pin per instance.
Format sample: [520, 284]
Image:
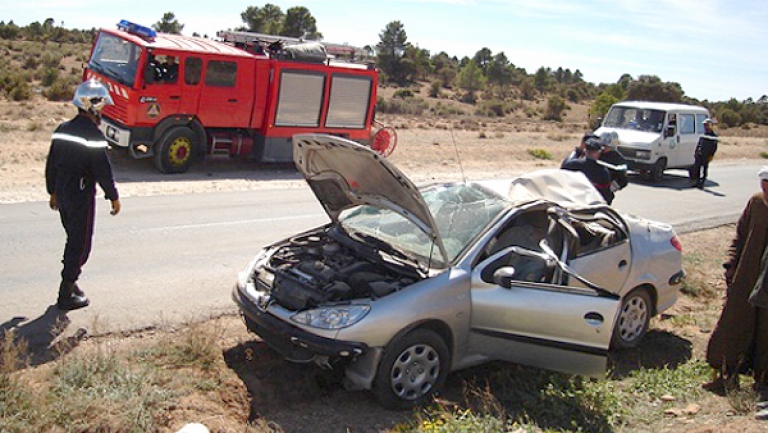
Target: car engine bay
[316, 268]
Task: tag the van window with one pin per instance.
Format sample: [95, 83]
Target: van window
[687, 124]
[635, 118]
[700, 122]
[221, 74]
[193, 69]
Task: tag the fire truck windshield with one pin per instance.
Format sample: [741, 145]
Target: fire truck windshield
[115, 58]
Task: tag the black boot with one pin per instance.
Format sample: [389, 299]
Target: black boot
[69, 299]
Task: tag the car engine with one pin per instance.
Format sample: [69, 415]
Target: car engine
[314, 268]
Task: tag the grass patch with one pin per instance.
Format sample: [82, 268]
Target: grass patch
[107, 389]
[540, 154]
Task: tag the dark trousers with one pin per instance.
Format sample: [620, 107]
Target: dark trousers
[701, 163]
[77, 214]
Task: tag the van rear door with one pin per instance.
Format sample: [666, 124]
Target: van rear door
[681, 156]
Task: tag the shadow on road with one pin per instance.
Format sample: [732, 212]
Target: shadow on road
[40, 336]
[675, 179]
[126, 170]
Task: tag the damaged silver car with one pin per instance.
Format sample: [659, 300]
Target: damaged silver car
[405, 285]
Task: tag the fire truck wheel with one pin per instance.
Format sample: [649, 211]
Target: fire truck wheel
[175, 150]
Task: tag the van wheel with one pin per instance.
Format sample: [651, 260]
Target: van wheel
[175, 150]
[657, 171]
[412, 369]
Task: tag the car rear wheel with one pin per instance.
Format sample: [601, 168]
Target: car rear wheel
[634, 319]
[175, 150]
[412, 369]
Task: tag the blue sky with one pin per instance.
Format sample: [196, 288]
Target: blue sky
[715, 49]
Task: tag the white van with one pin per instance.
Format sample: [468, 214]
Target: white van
[655, 136]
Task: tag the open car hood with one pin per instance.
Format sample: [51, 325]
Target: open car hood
[344, 174]
[570, 189]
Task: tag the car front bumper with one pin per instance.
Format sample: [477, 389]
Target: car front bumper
[292, 342]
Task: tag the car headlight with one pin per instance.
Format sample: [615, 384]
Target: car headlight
[336, 317]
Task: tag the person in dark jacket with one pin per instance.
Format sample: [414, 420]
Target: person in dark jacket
[705, 151]
[596, 173]
[77, 160]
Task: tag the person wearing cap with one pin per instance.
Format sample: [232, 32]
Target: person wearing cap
[76, 161]
[609, 157]
[739, 342]
[596, 173]
[705, 151]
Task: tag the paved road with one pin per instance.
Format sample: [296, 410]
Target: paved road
[168, 259]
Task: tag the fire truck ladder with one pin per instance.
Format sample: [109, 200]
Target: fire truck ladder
[250, 39]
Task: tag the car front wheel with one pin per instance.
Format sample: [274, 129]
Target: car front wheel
[634, 319]
[413, 367]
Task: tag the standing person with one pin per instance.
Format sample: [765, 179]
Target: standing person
[611, 159]
[77, 160]
[739, 343]
[705, 151]
[596, 173]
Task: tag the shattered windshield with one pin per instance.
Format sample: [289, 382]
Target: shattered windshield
[115, 58]
[635, 118]
[461, 212]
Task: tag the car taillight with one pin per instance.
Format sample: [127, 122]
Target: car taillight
[675, 241]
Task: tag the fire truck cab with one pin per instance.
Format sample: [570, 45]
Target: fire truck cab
[180, 98]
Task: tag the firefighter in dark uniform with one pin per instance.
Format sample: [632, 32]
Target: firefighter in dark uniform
[598, 175]
[77, 160]
[705, 151]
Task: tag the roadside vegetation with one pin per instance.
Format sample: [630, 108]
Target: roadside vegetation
[215, 373]
[48, 59]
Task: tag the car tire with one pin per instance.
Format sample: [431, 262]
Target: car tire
[657, 171]
[634, 319]
[175, 150]
[412, 369]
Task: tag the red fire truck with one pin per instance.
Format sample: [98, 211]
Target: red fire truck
[180, 98]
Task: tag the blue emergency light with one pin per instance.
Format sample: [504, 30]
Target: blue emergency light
[133, 28]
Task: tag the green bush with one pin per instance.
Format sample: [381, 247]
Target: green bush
[21, 92]
[492, 108]
[555, 107]
[403, 94]
[434, 89]
[730, 117]
[412, 106]
[540, 154]
[49, 76]
[60, 90]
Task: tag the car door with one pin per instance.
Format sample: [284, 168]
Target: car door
[604, 254]
[539, 324]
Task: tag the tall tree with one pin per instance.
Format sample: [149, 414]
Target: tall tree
[391, 51]
[541, 79]
[471, 79]
[483, 58]
[273, 18]
[253, 19]
[267, 19]
[498, 70]
[299, 23]
[168, 24]
[651, 88]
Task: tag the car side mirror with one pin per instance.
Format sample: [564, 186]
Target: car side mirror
[670, 131]
[503, 276]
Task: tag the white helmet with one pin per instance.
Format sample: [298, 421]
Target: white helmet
[92, 96]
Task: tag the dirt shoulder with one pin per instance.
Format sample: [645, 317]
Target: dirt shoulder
[428, 149]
